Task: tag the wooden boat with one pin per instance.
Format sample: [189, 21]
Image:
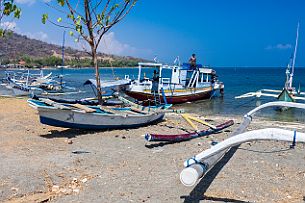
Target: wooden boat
[91, 117]
[25, 84]
[183, 85]
[20, 88]
[187, 136]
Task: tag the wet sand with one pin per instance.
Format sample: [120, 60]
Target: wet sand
[41, 163]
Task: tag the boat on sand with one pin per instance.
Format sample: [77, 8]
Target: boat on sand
[92, 117]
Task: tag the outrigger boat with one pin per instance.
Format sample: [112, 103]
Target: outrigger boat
[197, 166]
[288, 93]
[25, 84]
[94, 117]
[183, 84]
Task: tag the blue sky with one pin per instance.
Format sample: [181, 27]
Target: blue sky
[220, 32]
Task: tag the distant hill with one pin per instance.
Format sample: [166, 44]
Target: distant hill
[15, 47]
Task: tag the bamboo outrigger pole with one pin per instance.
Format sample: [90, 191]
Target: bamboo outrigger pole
[200, 164]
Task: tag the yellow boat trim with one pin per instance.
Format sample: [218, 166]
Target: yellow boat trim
[188, 118]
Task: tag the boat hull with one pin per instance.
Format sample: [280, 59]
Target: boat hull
[172, 99]
[95, 121]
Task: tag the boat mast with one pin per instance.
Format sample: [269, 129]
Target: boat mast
[294, 56]
[63, 58]
[63, 49]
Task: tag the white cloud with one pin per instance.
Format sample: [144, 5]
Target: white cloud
[110, 45]
[279, 47]
[37, 35]
[33, 35]
[29, 2]
[8, 25]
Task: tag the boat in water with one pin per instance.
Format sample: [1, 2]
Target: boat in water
[181, 84]
[27, 83]
[289, 92]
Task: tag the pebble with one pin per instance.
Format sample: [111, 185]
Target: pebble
[84, 180]
[55, 188]
[68, 141]
[76, 190]
[14, 189]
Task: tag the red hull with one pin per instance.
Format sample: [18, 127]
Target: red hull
[141, 96]
[188, 136]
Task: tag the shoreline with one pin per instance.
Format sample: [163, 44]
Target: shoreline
[56, 68]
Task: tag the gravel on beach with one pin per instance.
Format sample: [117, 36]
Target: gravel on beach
[42, 163]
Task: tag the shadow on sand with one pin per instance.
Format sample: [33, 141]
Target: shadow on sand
[68, 133]
[197, 194]
[72, 132]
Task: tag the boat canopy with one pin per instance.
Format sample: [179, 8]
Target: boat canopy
[150, 64]
[108, 84]
[206, 70]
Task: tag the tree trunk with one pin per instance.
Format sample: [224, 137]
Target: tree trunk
[97, 77]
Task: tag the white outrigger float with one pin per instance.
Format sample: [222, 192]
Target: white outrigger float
[288, 93]
[182, 85]
[200, 164]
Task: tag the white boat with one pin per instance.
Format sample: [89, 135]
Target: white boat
[92, 117]
[182, 84]
[20, 88]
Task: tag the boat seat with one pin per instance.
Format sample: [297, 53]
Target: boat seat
[55, 104]
[83, 107]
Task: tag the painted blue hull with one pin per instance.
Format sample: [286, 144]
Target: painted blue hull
[63, 124]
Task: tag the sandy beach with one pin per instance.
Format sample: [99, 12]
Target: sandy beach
[41, 163]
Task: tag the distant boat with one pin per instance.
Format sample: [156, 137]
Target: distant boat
[24, 84]
[288, 93]
[20, 86]
[183, 85]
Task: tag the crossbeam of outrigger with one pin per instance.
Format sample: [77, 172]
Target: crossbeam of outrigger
[200, 164]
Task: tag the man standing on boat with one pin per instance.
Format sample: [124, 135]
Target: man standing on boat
[192, 61]
[155, 83]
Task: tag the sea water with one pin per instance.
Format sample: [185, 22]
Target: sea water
[237, 81]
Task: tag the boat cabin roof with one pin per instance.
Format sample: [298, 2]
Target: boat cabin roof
[206, 70]
[185, 66]
[150, 64]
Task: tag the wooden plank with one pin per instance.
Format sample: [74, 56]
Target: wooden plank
[83, 107]
[53, 103]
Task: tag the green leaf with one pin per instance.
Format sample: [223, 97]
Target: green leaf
[71, 16]
[1, 32]
[17, 13]
[61, 2]
[71, 33]
[44, 18]
[59, 19]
